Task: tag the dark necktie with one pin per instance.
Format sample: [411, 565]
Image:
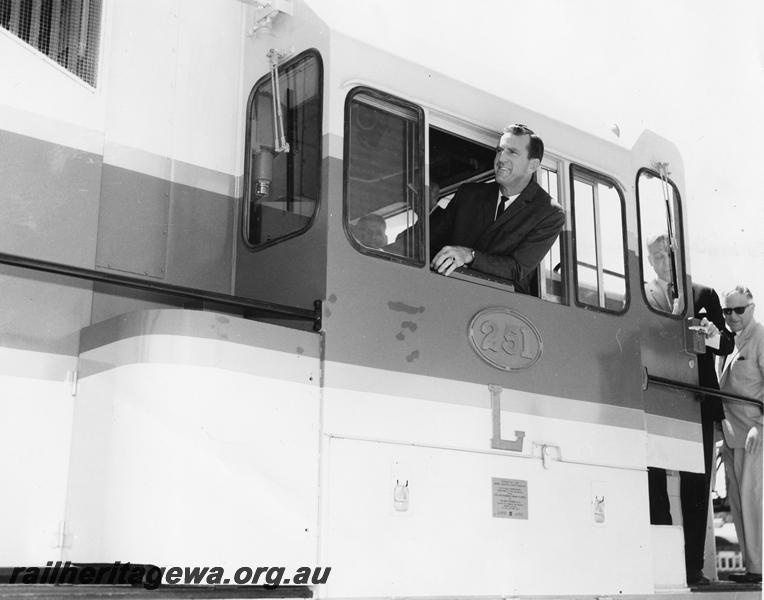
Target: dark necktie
[502, 205]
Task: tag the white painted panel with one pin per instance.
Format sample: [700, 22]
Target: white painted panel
[672, 453]
[189, 465]
[209, 104]
[35, 435]
[378, 416]
[449, 543]
[206, 352]
[668, 558]
[174, 81]
[141, 74]
[37, 85]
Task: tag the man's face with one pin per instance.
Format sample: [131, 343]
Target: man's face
[512, 165]
[660, 261]
[734, 321]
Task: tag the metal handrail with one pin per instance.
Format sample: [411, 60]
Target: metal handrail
[304, 314]
[688, 387]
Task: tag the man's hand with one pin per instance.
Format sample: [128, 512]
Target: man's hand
[451, 258]
[709, 329]
[753, 440]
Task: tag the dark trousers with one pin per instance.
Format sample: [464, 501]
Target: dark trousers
[693, 494]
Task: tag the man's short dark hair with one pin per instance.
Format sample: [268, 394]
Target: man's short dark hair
[535, 145]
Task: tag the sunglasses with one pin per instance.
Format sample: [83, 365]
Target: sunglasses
[738, 310]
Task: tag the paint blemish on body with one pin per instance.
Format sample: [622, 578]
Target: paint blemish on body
[403, 307]
[332, 298]
[410, 325]
[413, 356]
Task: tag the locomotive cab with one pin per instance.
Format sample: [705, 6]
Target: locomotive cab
[261, 367]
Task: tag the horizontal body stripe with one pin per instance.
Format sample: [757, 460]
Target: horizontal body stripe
[199, 324]
[42, 128]
[674, 428]
[202, 339]
[58, 133]
[356, 377]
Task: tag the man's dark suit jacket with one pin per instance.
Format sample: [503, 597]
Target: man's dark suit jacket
[510, 247]
[706, 303]
[694, 487]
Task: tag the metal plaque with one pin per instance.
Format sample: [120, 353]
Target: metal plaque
[510, 498]
[505, 339]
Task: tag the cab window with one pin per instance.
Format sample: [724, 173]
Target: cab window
[283, 165]
[599, 236]
[385, 207]
[456, 160]
[660, 243]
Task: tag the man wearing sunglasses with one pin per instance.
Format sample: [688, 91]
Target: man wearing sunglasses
[503, 228]
[742, 373]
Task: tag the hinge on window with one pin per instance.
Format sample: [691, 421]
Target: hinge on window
[266, 11]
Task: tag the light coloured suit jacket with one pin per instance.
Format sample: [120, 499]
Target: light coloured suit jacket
[656, 296]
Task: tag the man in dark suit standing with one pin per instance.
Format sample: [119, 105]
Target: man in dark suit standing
[694, 487]
[503, 228]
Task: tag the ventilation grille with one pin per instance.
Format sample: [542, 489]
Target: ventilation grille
[67, 31]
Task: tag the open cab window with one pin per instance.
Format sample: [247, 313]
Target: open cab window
[661, 245]
[283, 166]
[384, 184]
[386, 205]
[599, 240]
[456, 160]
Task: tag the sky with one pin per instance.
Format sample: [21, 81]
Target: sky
[690, 70]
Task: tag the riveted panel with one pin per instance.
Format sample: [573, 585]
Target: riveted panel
[132, 223]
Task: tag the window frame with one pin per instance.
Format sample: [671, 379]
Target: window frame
[54, 52]
[386, 99]
[563, 299]
[246, 187]
[482, 136]
[678, 233]
[597, 176]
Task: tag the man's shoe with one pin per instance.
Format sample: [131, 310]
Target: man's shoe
[697, 578]
[746, 577]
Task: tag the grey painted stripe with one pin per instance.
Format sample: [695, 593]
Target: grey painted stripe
[133, 159]
[672, 428]
[177, 171]
[367, 379]
[42, 128]
[165, 351]
[198, 324]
